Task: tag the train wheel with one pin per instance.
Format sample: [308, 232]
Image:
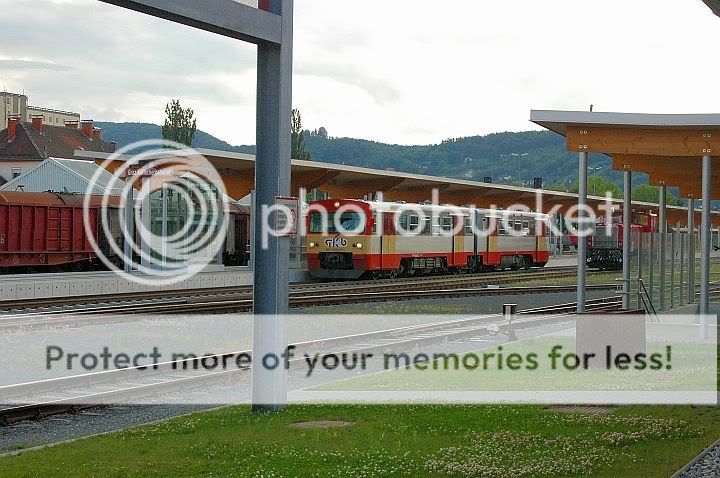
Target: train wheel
[395, 273]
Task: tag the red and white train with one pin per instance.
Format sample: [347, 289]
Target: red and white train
[443, 239]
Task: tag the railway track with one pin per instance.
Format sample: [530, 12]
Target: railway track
[133, 311]
[48, 397]
[164, 299]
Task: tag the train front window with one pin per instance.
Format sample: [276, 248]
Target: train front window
[349, 222]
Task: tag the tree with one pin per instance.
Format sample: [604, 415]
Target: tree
[298, 139]
[601, 186]
[180, 124]
[651, 194]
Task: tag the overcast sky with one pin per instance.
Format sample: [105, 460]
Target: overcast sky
[401, 71]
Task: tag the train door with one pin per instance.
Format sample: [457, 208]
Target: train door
[496, 227]
[388, 241]
[457, 226]
[477, 231]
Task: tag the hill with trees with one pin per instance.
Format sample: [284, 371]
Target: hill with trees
[506, 158]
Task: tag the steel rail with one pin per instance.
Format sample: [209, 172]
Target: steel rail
[467, 279]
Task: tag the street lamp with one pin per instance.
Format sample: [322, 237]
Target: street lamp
[518, 156]
[595, 182]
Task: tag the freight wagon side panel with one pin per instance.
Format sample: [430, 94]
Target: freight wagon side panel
[36, 235]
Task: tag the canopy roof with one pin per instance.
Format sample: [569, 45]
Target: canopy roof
[669, 148]
[350, 182]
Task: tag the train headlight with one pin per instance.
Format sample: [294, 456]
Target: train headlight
[337, 203]
[359, 245]
[311, 245]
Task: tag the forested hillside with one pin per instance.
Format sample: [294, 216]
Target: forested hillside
[510, 158]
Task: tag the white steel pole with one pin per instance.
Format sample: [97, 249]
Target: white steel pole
[691, 252]
[582, 241]
[705, 242]
[627, 239]
[272, 179]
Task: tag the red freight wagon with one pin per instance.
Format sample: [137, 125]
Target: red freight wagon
[43, 229]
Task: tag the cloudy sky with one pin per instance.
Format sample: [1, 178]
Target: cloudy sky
[401, 71]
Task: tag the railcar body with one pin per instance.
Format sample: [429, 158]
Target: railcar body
[442, 239]
[45, 231]
[606, 243]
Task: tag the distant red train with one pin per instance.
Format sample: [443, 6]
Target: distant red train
[606, 243]
[45, 231]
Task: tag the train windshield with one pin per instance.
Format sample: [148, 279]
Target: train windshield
[349, 222]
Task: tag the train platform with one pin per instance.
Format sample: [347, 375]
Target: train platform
[569, 260]
[73, 284]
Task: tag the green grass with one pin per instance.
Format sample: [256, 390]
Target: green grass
[691, 369]
[489, 441]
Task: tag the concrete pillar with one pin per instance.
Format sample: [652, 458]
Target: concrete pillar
[627, 238]
[582, 241]
[705, 242]
[662, 219]
[691, 252]
[272, 179]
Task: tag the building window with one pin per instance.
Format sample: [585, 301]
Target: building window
[16, 172]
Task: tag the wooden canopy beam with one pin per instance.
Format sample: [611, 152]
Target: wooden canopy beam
[653, 142]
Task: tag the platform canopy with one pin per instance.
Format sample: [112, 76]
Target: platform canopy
[343, 181]
[669, 148]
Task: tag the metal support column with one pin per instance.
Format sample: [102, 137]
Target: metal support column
[641, 242]
[146, 222]
[627, 238]
[662, 217]
[251, 234]
[673, 243]
[302, 198]
[129, 232]
[272, 179]
[582, 240]
[651, 267]
[681, 295]
[164, 225]
[691, 252]
[705, 242]
[220, 220]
